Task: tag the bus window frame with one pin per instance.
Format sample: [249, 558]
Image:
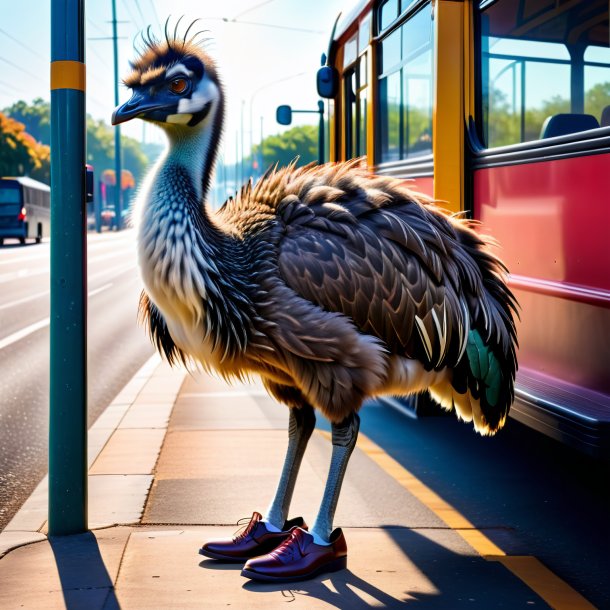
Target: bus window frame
[348, 134]
[417, 165]
[581, 143]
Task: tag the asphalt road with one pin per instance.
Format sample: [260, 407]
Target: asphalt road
[117, 348]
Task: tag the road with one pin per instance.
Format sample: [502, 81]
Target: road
[117, 348]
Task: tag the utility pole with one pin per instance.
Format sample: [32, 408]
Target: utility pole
[68, 327]
[118, 207]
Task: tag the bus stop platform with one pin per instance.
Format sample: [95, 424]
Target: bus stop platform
[177, 459]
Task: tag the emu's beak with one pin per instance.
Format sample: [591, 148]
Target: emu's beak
[137, 106]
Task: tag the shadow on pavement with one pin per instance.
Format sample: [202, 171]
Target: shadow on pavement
[433, 577]
[85, 581]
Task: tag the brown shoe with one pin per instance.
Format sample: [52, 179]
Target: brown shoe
[299, 558]
[255, 540]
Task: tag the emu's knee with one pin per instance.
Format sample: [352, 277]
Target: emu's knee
[345, 433]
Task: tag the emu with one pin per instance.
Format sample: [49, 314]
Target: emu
[332, 284]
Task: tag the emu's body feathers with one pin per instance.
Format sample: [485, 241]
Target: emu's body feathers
[347, 280]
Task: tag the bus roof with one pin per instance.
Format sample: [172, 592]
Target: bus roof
[29, 182]
[350, 16]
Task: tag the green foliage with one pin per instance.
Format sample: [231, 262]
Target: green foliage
[504, 125]
[36, 117]
[301, 142]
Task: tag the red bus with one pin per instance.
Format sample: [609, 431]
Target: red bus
[501, 109]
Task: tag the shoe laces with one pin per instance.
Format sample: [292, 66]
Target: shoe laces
[290, 548]
[247, 525]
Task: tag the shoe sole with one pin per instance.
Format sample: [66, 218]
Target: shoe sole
[333, 566]
[223, 558]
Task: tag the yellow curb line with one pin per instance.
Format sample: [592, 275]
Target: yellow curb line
[554, 591]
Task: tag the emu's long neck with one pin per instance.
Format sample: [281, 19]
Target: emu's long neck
[178, 245]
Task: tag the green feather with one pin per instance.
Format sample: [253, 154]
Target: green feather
[484, 366]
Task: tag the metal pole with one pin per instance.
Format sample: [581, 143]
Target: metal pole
[321, 133]
[68, 389]
[118, 207]
[242, 173]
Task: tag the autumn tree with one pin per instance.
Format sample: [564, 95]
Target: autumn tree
[20, 153]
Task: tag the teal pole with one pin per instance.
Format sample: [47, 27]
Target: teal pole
[68, 375]
[118, 202]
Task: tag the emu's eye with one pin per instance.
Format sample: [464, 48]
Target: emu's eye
[178, 85]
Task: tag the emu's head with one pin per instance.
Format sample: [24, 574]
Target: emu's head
[174, 84]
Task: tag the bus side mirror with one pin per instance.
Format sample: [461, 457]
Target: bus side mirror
[89, 183]
[327, 82]
[283, 114]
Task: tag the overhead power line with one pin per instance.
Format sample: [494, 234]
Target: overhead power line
[152, 5]
[11, 63]
[252, 8]
[22, 45]
[141, 13]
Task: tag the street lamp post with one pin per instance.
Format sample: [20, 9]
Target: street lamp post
[284, 117]
[118, 204]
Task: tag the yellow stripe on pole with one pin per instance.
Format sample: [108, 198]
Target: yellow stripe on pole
[67, 75]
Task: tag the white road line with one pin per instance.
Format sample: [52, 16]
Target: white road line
[32, 328]
[32, 297]
[24, 332]
[100, 289]
[22, 273]
[118, 270]
[92, 246]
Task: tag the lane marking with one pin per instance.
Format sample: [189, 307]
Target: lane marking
[24, 332]
[93, 245]
[98, 290]
[530, 570]
[26, 273]
[32, 297]
[32, 328]
[118, 269]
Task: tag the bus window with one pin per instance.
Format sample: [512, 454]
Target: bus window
[405, 89]
[355, 86]
[536, 66]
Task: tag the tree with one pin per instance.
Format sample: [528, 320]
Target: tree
[301, 142]
[36, 117]
[20, 153]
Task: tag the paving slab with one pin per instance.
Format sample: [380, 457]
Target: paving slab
[129, 451]
[117, 499]
[217, 477]
[387, 568]
[218, 411]
[147, 415]
[65, 572]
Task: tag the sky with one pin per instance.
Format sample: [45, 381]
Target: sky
[262, 66]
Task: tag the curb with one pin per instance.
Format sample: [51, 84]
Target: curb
[117, 494]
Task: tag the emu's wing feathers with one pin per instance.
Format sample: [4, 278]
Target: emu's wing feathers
[380, 259]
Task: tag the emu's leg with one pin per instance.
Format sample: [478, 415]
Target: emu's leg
[344, 437]
[301, 424]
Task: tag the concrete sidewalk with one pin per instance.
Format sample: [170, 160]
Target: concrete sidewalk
[176, 460]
